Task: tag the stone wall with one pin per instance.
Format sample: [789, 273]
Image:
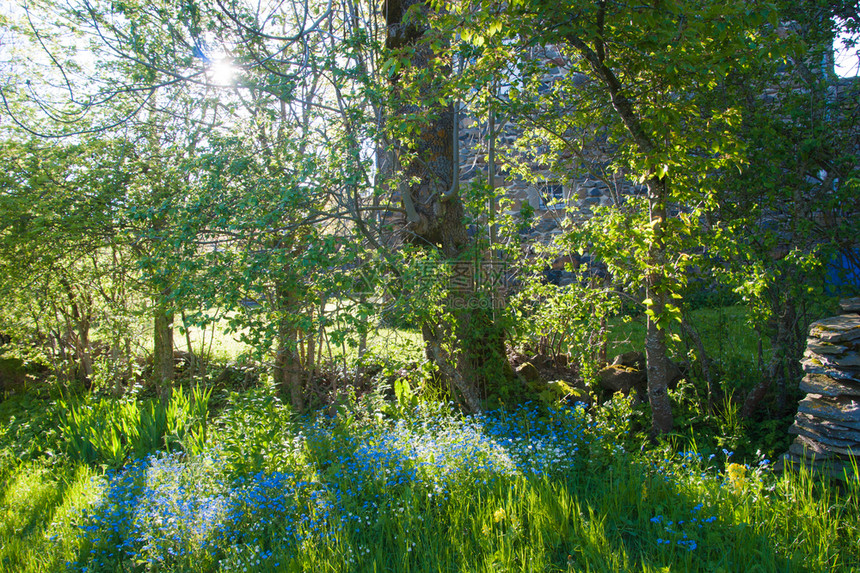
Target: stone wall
[581, 192]
[554, 197]
[827, 424]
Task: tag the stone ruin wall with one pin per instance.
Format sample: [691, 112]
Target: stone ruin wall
[580, 192]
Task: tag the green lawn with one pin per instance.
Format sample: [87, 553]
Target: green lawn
[725, 333]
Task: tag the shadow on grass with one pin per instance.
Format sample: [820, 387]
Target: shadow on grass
[32, 499]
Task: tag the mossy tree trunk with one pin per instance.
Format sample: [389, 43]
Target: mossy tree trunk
[468, 347]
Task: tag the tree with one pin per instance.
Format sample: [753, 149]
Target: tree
[154, 80]
[799, 206]
[65, 253]
[641, 98]
[464, 338]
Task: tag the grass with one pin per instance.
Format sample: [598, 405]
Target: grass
[380, 486]
[425, 489]
[223, 347]
[725, 333]
[38, 506]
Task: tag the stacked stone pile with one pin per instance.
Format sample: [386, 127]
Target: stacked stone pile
[827, 424]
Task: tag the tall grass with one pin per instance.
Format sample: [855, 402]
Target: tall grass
[430, 490]
[162, 486]
[107, 430]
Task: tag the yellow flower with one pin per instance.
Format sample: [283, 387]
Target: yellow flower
[737, 475]
[499, 515]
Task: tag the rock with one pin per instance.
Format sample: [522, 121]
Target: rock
[810, 449]
[832, 431]
[630, 359]
[835, 424]
[849, 361]
[850, 304]
[540, 360]
[183, 358]
[617, 378]
[819, 347]
[836, 329]
[546, 225]
[674, 374]
[827, 386]
[562, 263]
[816, 366]
[845, 451]
[828, 425]
[839, 409]
[628, 370]
[561, 390]
[843, 442]
[529, 372]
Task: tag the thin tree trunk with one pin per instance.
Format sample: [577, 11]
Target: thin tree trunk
[191, 357]
[790, 340]
[602, 358]
[655, 337]
[655, 281]
[115, 363]
[162, 350]
[781, 348]
[362, 346]
[129, 367]
[706, 369]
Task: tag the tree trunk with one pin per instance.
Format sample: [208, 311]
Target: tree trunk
[655, 357]
[655, 337]
[782, 343]
[289, 373]
[84, 350]
[162, 350]
[80, 315]
[466, 348]
[693, 335]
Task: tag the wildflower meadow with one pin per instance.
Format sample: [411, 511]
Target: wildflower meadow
[421, 489]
